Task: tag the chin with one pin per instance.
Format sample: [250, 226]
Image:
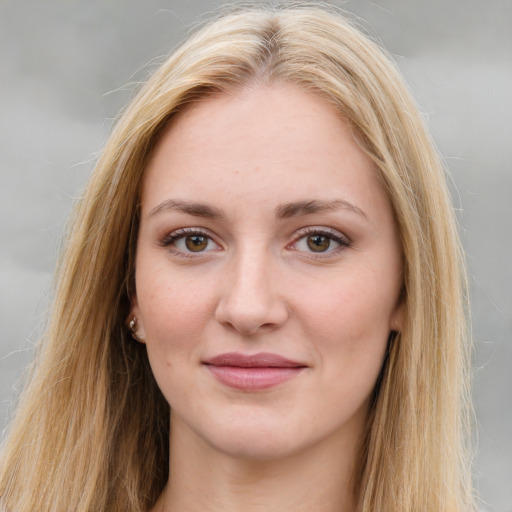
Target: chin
[259, 437]
[257, 446]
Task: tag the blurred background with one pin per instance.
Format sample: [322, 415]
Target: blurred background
[68, 66]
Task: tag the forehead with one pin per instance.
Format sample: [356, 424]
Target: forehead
[277, 143]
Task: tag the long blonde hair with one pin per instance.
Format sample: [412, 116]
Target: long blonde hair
[91, 431]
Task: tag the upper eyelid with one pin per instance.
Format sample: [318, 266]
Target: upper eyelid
[334, 233]
[188, 231]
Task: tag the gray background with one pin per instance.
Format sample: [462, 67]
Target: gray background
[68, 66]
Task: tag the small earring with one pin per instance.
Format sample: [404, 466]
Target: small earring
[132, 329]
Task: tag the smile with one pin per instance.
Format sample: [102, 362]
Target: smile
[254, 372]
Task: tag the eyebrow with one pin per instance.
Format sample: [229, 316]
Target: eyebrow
[300, 208]
[284, 211]
[188, 207]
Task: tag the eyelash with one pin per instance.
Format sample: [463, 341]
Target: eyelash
[344, 242]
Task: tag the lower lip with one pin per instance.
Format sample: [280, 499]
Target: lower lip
[253, 378]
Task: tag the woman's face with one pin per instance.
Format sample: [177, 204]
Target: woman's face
[268, 273]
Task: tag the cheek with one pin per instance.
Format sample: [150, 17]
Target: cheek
[355, 307]
[173, 307]
[174, 312]
[351, 337]
[348, 320]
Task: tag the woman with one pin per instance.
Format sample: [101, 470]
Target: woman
[261, 304]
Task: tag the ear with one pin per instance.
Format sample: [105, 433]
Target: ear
[396, 320]
[136, 328]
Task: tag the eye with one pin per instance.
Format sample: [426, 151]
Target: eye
[189, 240]
[320, 240]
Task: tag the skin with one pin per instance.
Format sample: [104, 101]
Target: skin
[255, 285]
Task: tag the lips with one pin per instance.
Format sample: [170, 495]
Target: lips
[253, 372]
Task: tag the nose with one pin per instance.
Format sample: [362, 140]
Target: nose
[251, 301]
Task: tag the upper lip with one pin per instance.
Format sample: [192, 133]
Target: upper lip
[261, 360]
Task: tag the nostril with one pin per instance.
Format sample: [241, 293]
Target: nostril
[249, 319]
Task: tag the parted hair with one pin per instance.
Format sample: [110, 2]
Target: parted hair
[91, 430]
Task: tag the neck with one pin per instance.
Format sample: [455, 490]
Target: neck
[203, 479]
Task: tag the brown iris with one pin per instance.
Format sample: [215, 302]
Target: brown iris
[318, 243]
[196, 243]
